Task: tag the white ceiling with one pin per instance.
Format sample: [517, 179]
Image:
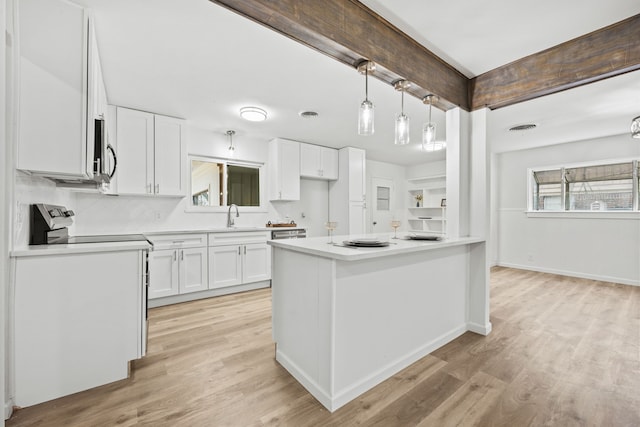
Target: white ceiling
[197, 60]
[476, 36]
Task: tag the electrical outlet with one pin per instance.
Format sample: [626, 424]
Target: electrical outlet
[157, 216]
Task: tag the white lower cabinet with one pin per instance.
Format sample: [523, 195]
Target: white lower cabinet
[238, 258]
[177, 265]
[78, 319]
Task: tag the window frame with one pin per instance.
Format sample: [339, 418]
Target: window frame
[262, 208]
[565, 210]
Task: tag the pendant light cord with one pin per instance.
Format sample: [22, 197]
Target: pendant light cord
[366, 82]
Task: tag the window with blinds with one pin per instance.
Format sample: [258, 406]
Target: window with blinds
[600, 187]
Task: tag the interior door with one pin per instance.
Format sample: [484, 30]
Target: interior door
[383, 201]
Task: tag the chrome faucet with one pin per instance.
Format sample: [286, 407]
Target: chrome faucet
[230, 220]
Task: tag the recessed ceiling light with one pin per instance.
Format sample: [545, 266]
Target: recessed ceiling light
[527, 126]
[253, 114]
[308, 114]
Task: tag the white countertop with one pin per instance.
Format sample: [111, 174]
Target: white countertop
[79, 248]
[319, 246]
[210, 230]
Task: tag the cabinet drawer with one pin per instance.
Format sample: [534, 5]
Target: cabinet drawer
[237, 238]
[169, 241]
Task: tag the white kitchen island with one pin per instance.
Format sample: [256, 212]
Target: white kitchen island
[345, 319]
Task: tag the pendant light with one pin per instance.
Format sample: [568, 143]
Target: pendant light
[365, 114]
[635, 128]
[231, 148]
[429, 142]
[402, 120]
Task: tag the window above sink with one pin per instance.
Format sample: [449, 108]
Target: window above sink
[216, 184]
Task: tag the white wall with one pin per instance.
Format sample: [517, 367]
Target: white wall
[597, 248]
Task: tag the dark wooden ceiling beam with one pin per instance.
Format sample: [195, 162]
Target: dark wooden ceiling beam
[348, 31]
[604, 53]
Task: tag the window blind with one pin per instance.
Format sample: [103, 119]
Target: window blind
[600, 173]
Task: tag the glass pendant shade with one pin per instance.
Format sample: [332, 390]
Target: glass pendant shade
[428, 136]
[365, 118]
[365, 114]
[231, 148]
[635, 127]
[402, 129]
[402, 120]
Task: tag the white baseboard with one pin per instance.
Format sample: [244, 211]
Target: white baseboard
[307, 382]
[8, 409]
[346, 395]
[480, 329]
[621, 280]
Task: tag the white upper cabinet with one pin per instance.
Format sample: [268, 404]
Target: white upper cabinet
[318, 162]
[61, 90]
[284, 170]
[347, 195]
[170, 156]
[151, 153]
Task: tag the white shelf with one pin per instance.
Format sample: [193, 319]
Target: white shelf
[427, 178]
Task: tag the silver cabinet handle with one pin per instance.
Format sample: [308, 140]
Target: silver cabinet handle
[157, 188]
[245, 250]
[175, 255]
[181, 255]
[149, 188]
[239, 248]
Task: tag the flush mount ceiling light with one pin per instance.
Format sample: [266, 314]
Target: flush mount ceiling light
[402, 120]
[253, 114]
[365, 113]
[231, 148]
[429, 142]
[635, 128]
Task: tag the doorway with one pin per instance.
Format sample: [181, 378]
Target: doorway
[383, 205]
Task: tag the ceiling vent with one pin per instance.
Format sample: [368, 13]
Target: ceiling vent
[308, 114]
[520, 128]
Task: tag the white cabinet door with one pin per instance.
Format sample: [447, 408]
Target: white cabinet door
[310, 161]
[318, 162]
[225, 266]
[163, 270]
[170, 147]
[193, 270]
[357, 175]
[256, 263]
[53, 123]
[135, 151]
[284, 167]
[357, 218]
[329, 163]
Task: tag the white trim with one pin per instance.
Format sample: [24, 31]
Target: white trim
[348, 394]
[620, 280]
[480, 329]
[584, 214]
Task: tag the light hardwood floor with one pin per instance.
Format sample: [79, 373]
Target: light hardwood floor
[563, 352]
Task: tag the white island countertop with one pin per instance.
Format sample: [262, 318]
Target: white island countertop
[319, 246]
